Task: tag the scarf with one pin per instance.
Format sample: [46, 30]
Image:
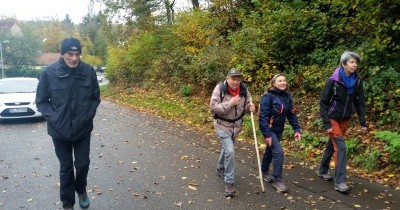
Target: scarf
[348, 81]
[234, 92]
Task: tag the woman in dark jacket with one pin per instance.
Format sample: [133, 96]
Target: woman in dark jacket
[275, 106]
[342, 93]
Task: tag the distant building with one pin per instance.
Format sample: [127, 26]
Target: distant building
[45, 59]
[10, 26]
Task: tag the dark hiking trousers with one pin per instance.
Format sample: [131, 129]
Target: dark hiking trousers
[69, 184]
[336, 147]
[274, 154]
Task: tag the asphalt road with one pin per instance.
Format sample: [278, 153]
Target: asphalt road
[139, 161]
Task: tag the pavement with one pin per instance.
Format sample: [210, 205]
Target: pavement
[301, 174]
[141, 161]
[363, 195]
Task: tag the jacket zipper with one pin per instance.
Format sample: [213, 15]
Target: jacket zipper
[345, 107]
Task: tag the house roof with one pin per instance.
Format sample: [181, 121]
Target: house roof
[47, 58]
[7, 25]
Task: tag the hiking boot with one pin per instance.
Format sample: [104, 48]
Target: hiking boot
[326, 177]
[280, 186]
[220, 173]
[84, 201]
[229, 191]
[342, 187]
[267, 177]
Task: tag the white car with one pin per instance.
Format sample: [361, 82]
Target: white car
[17, 98]
[99, 78]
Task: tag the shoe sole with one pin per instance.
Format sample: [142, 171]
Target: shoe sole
[280, 190]
[343, 191]
[326, 179]
[267, 180]
[230, 195]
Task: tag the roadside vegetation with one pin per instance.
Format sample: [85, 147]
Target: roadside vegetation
[373, 156]
[167, 63]
[171, 69]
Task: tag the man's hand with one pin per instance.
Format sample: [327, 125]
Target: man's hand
[252, 107]
[268, 141]
[235, 100]
[297, 136]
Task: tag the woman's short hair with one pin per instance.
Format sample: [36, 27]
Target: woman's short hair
[347, 55]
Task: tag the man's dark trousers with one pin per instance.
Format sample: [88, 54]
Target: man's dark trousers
[65, 151]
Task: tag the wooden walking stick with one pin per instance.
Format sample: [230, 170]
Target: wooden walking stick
[258, 155]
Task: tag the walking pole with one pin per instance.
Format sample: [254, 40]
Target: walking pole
[258, 155]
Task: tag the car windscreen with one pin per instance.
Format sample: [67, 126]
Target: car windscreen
[18, 86]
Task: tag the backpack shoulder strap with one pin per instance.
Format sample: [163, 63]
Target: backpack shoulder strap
[221, 91]
[334, 90]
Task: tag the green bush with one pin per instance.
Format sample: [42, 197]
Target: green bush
[186, 90]
[25, 71]
[352, 146]
[383, 100]
[309, 140]
[392, 140]
[369, 159]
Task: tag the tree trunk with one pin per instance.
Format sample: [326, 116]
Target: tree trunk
[195, 4]
[169, 6]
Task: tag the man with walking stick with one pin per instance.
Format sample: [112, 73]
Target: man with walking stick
[229, 102]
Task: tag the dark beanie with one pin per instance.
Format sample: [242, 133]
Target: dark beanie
[70, 44]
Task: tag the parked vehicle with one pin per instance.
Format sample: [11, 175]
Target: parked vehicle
[99, 78]
[17, 98]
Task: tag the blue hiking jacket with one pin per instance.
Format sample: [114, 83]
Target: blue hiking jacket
[275, 107]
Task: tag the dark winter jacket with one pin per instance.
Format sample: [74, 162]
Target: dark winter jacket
[275, 107]
[68, 99]
[337, 104]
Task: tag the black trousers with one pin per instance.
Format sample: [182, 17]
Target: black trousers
[69, 183]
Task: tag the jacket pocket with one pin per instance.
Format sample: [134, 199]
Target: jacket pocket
[58, 94]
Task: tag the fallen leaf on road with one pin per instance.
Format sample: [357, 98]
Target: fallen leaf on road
[180, 204]
[193, 184]
[192, 187]
[357, 205]
[30, 199]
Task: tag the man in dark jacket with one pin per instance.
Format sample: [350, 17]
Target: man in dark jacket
[343, 91]
[68, 95]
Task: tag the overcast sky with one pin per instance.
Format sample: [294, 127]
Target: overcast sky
[56, 9]
[44, 9]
